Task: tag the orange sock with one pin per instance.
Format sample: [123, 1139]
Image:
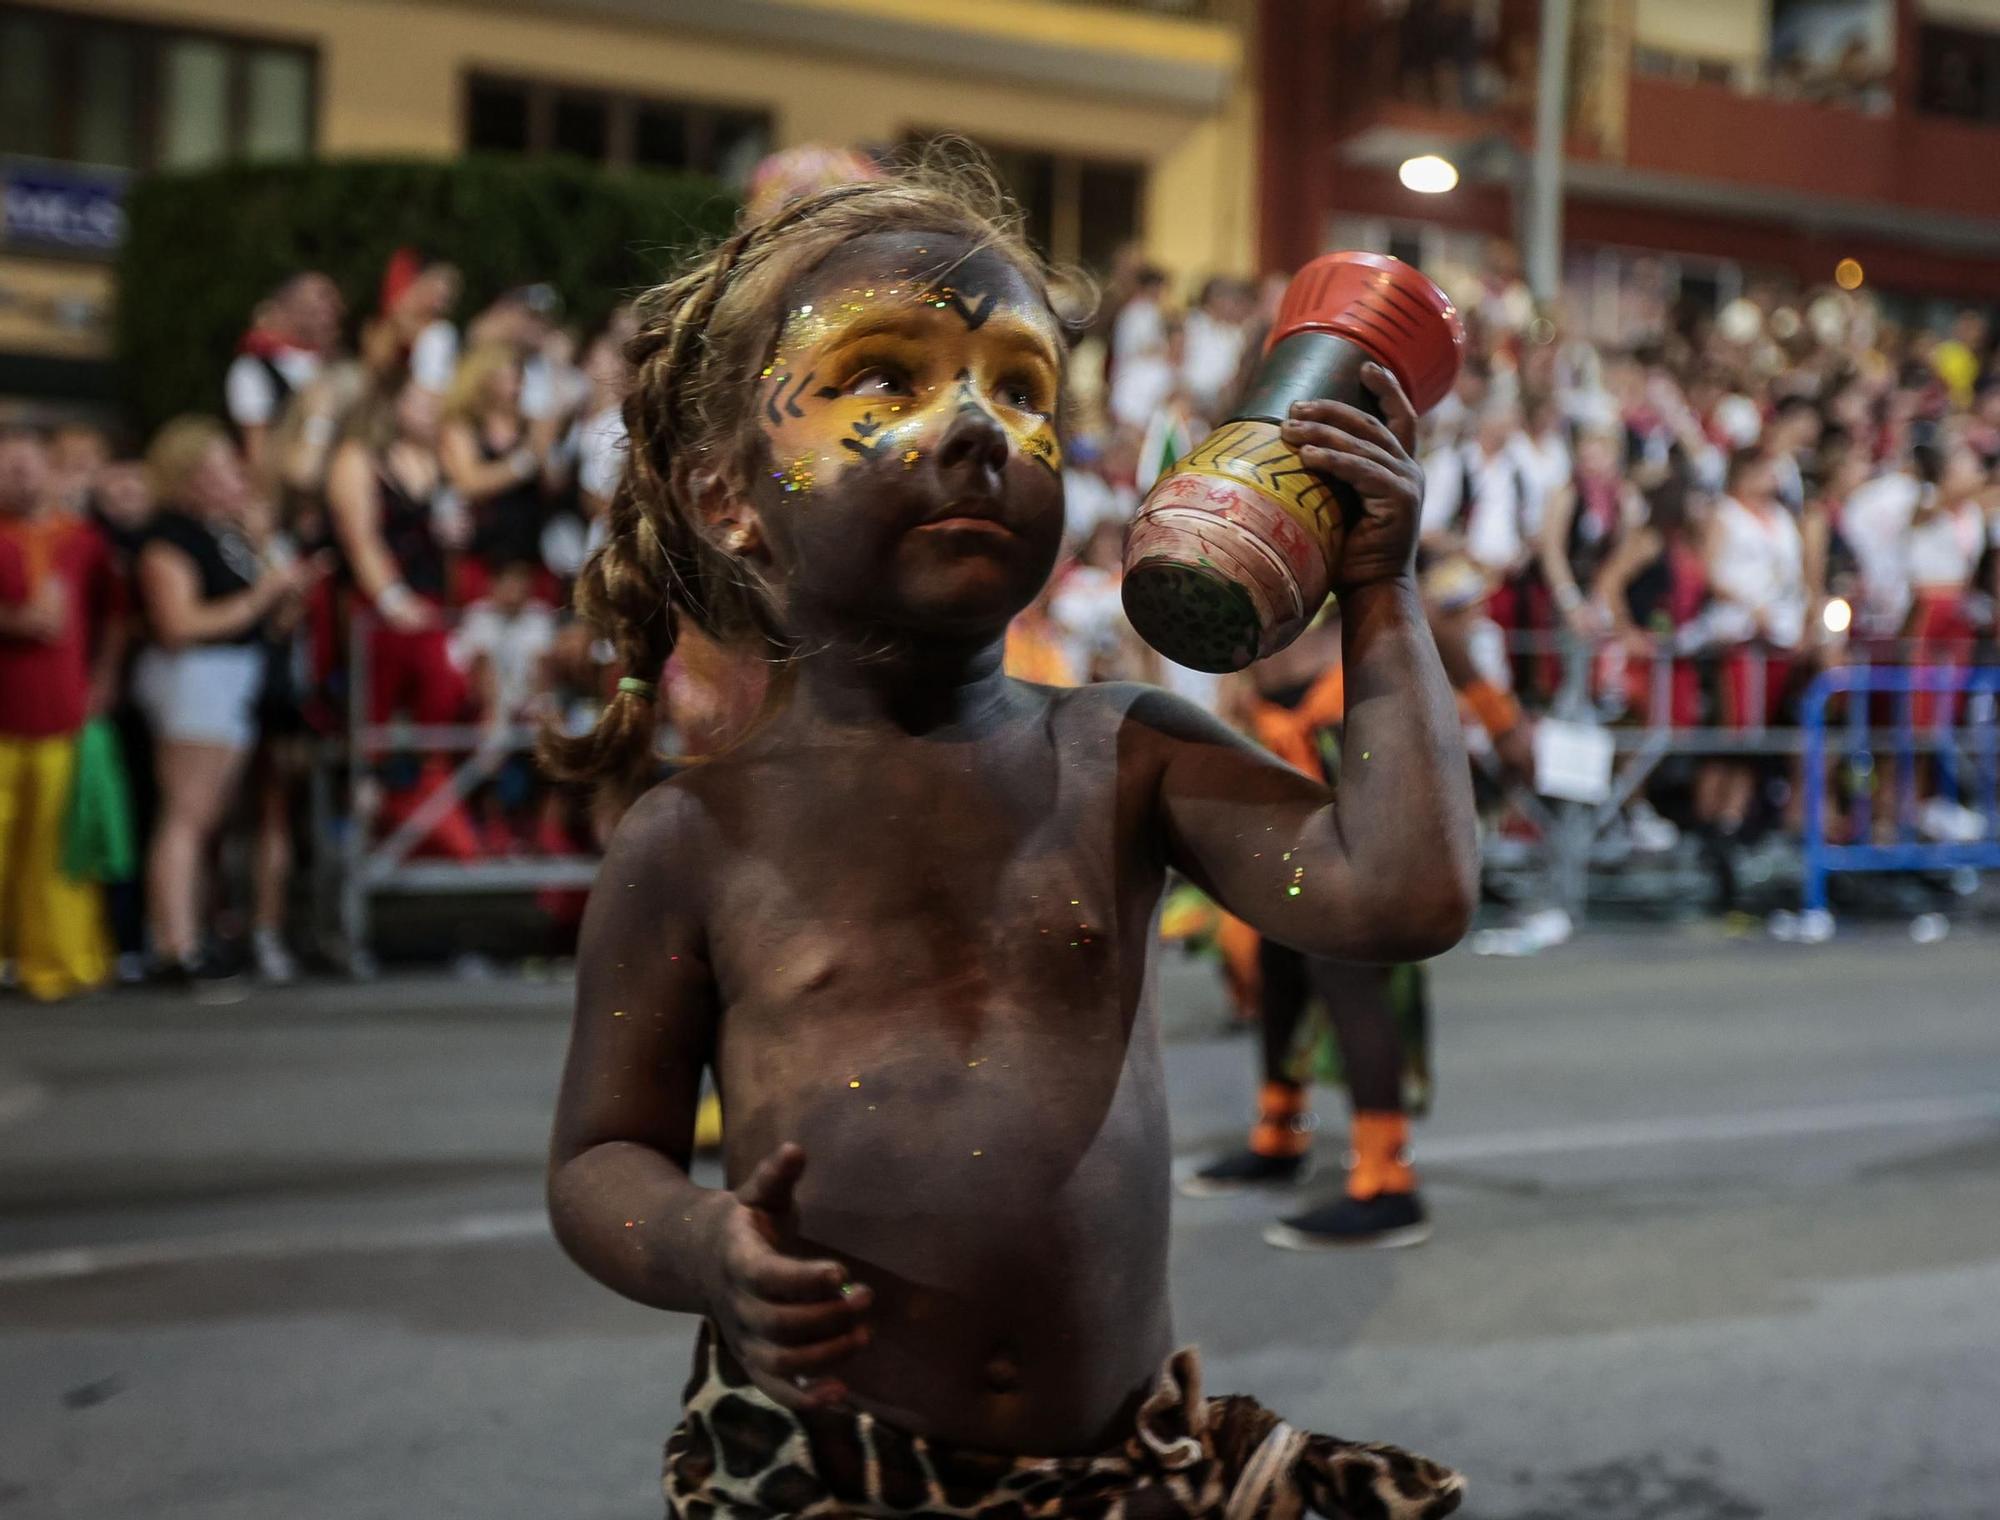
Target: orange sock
[1283, 1127]
[1381, 1163]
[1497, 711]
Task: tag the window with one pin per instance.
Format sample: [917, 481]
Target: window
[87, 90]
[608, 127]
[1958, 72]
[194, 105]
[1078, 210]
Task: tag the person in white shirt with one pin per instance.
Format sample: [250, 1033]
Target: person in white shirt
[1216, 332]
[290, 337]
[1543, 449]
[1875, 522]
[502, 641]
[1756, 559]
[596, 446]
[1943, 546]
[1481, 503]
[1757, 578]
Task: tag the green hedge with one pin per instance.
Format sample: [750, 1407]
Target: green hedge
[202, 249]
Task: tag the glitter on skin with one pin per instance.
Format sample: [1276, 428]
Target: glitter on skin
[796, 476]
[854, 1082]
[810, 326]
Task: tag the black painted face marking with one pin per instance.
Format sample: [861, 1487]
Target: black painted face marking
[864, 442]
[973, 314]
[776, 396]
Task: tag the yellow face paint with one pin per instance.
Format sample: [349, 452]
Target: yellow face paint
[878, 373]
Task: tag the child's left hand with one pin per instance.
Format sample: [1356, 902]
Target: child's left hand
[1373, 455]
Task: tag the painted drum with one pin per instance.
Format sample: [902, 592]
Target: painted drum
[1234, 548]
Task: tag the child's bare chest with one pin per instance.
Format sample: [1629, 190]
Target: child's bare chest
[1007, 872]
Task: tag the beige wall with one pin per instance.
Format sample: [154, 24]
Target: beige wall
[1736, 30]
[391, 82]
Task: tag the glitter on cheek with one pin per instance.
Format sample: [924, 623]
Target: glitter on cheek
[796, 476]
[910, 458]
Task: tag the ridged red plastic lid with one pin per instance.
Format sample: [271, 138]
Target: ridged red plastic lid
[1390, 308]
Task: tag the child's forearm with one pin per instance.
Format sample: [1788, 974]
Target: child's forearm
[1404, 805]
[637, 1223]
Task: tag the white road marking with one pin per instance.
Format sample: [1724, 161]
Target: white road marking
[528, 1224]
[1769, 1124]
[93, 1261]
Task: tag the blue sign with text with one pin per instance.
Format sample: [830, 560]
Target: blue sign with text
[57, 209]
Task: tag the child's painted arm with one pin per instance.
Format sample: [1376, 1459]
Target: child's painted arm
[1387, 869]
[620, 1198]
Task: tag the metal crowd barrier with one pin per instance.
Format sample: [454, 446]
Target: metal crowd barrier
[356, 868]
[1965, 699]
[364, 867]
[1644, 737]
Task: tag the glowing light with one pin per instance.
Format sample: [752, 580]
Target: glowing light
[1427, 174]
[1848, 274]
[1838, 616]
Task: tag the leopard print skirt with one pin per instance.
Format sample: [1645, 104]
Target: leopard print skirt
[739, 1456]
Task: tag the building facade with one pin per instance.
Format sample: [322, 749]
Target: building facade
[1722, 140]
[1112, 120]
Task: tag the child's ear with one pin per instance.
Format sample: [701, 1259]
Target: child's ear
[725, 514]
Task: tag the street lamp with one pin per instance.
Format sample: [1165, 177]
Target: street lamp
[1428, 174]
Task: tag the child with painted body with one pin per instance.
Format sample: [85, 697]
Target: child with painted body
[909, 918]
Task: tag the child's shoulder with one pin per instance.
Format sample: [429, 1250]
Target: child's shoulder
[1141, 719]
[662, 844]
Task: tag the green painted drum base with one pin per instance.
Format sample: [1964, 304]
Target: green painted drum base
[1193, 614]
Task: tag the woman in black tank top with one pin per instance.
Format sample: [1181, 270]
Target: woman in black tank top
[383, 491]
[495, 461]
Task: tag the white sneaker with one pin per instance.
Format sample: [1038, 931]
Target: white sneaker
[1951, 822]
[1929, 928]
[1651, 834]
[274, 962]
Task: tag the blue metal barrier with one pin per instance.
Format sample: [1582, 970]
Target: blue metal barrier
[1968, 728]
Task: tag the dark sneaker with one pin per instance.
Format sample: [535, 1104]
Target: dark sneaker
[208, 980]
[1386, 1221]
[1244, 1172]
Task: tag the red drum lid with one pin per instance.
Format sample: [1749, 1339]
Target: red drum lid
[1390, 308]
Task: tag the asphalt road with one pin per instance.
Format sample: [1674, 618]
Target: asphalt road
[1718, 1238]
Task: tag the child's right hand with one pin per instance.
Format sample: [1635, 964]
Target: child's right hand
[788, 1320]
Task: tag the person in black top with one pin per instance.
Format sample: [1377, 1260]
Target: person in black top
[499, 463]
[206, 596]
[383, 493]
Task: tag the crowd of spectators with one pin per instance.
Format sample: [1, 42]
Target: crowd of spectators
[1700, 517]
[1711, 511]
[424, 496]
